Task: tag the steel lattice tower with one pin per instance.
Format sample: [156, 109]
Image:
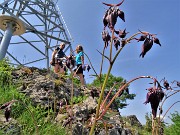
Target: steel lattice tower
[38, 27]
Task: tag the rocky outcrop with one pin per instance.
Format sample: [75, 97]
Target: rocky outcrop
[134, 121]
[48, 90]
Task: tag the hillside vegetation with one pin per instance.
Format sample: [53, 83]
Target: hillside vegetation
[39, 102]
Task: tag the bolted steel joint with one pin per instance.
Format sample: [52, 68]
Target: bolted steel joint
[15, 24]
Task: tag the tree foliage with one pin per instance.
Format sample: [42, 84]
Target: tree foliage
[174, 129]
[148, 124]
[111, 80]
[119, 102]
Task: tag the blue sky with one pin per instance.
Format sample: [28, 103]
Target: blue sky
[84, 21]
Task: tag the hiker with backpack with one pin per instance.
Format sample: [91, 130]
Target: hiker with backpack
[79, 63]
[57, 59]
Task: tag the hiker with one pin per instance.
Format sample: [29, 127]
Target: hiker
[79, 63]
[57, 57]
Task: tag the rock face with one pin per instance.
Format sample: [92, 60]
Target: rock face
[47, 90]
[41, 85]
[134, 121]
[9, 128]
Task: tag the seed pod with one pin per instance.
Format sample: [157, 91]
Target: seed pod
[146, 47]
[7, 108]
[105, 19]
[112, 17]
[121, 15]
[106, 38]
[123, 42]
[142, 38]
[121, 33]
[156, 40]
[154, 98]
[88, 68]
[7, 113]
[116, 43]
[161, 111]
[178, 84]
[166, 84]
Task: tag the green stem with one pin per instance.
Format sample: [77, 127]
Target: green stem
[116, 55]
[108, 73]
[121, 89]
[36, 125]
[110, 56]
[48, 106]
[100, 100]
[72, 94]
[169, 109]
[102, 64]
[91, 64]
[129, 39]
[102, 105]
[164, 102]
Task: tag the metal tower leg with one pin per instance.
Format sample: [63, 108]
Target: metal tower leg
[39, 29]
[6, 39]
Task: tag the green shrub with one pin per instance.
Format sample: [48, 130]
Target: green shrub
[174, 128]
[79, 99]
[29, 117]
[5, 73]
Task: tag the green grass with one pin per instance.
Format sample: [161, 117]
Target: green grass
[33, 120]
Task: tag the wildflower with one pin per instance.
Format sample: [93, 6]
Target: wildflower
[121, 14]
[154, 96]
[156, 40]
[121, 33]
[88, 68]
[106, 38]
[7, 108]
[123, 42]
[178, 83]
[116, 42]
[111, 15]
[166, 84]
[142, 38]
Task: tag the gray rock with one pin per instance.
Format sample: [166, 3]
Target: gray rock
[123, 132]
[102, 132]
[78, 130]
[134, 121]
[114, 131]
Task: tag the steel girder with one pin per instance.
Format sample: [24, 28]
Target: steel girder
[45, 29]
